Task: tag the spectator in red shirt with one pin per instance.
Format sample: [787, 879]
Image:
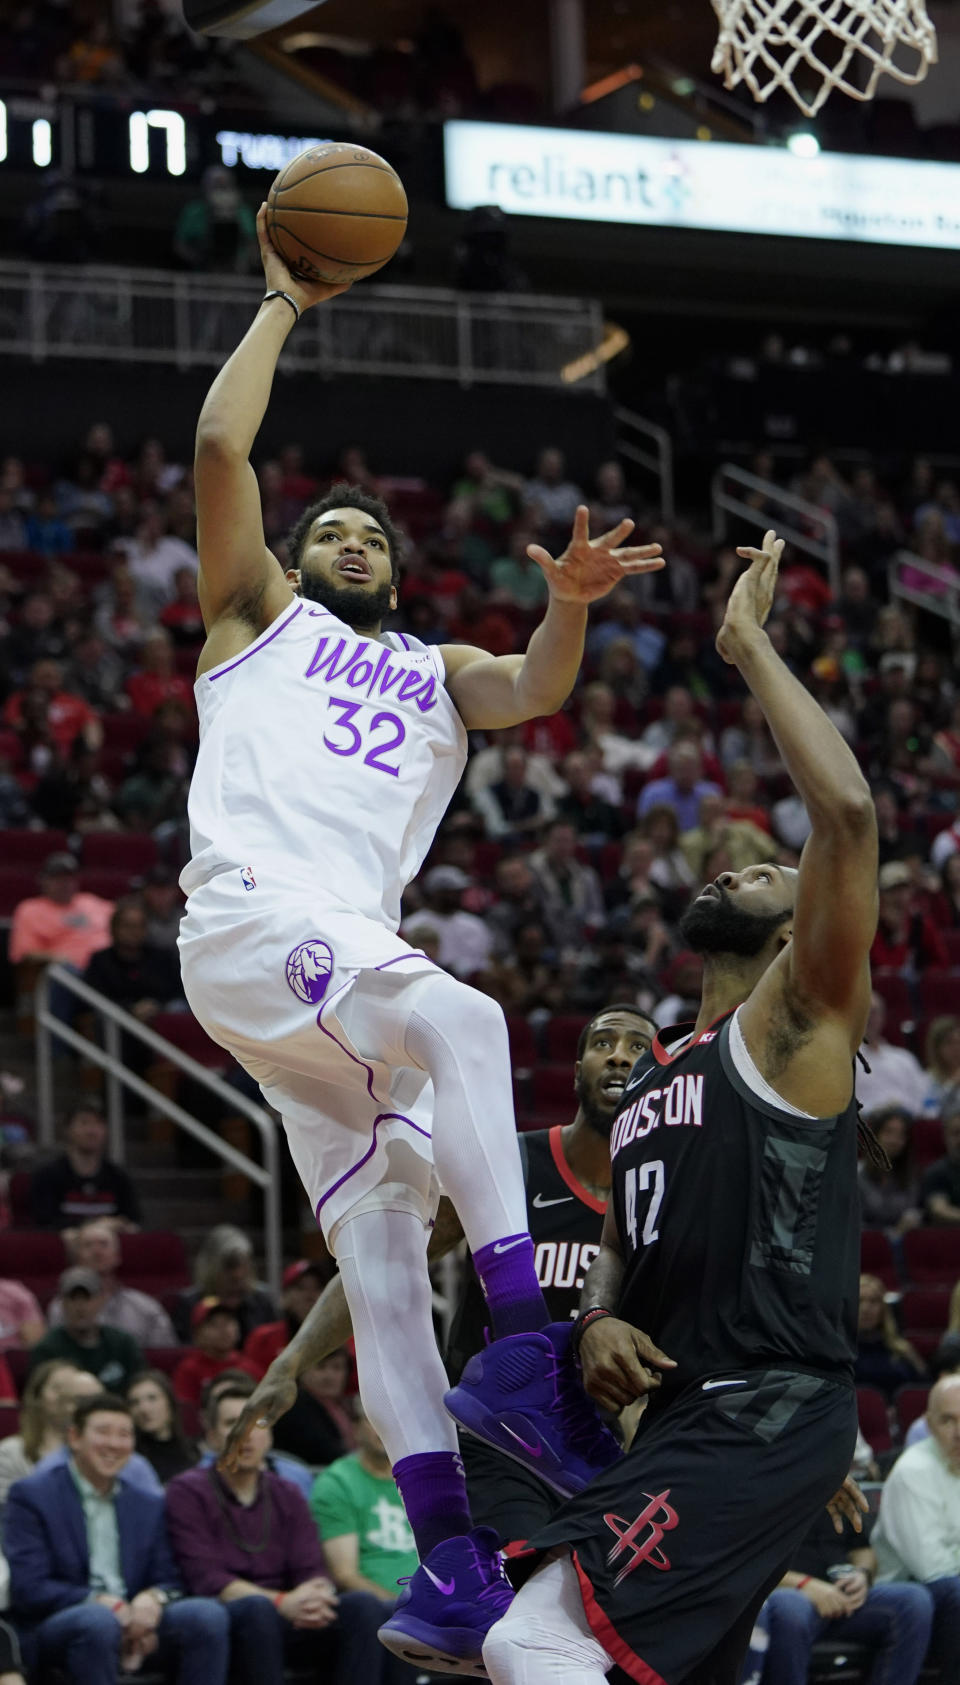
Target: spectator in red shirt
[216, 1338]
[157, 680]
[67, 715]
[303, 1283]
[906, 940]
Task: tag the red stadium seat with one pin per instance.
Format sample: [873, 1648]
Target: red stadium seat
[932, 1256]
[486, 853]
[909, 1403]
[163, 1357]
[121, 851]
[552, 1095]
[608, 864]
[18, 1194]
[124, 731]
[939, 991]
[896, 994]
[183, 1030]
[155, 1262]
[924, 1313]
[9, 1420]
[18, 1362]
[952, 940]
[110, 882]
[926, 1141]
[563, 1033]
[876, 1257]
[33, 1257]
[874, 1418]
[16, 884]
[28, 848]
[523, 1047]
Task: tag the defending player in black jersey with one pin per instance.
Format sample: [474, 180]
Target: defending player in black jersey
[732, 1241]
[566, 1172]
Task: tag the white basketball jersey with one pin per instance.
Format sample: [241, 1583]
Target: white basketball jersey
[327, 759]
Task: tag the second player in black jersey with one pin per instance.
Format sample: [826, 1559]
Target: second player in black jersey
[566, 1172]
[726, 1286]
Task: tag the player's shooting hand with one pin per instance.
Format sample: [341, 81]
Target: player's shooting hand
[278, 275]
[848, 1502]
[274, 1396]
[590, 567]
[751, 599]
[615, 1359]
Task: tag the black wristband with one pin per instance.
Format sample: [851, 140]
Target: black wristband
[279, 293]
[583, 1322]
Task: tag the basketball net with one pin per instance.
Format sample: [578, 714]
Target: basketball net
[789, 44]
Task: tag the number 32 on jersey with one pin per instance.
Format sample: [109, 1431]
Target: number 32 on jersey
[646, 1179]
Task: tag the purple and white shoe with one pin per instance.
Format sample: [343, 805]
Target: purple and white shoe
[523, 1395]
[449, 1605]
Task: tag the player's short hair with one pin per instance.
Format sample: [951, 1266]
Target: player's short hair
[627, 1007]
[344, 496]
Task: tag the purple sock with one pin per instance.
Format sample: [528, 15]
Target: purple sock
[509, 1281]
[433, 1487]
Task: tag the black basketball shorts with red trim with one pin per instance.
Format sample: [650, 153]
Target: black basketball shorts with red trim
[677, 1546]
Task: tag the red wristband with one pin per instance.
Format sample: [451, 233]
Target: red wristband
[278, 1598]
[583, 1323]
[804, 1580]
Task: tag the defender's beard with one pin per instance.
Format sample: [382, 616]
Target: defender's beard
[715, 926]
[355, 605]
[597, 1116]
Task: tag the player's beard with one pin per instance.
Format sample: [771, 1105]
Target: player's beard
[598, 1114]
[716, 926]
[356, 605]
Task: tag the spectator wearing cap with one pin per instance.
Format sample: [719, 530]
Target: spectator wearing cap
[895, 1077]
[216, 1341]
[93, 1582]
[63, 922]
[917, 1534]
[303, 1283]
[940, 1185]
[465, 943]
[246, 1536]
[224, 1271]
[83, 1183]
[906, 940]
[108, 1353]
[96, 1247]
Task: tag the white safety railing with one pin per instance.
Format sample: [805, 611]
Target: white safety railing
[120, 1077]
[817, 536]
[110, 314]
[926, 585]
[635, 428]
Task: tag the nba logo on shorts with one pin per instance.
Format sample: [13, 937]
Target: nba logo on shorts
[247, 878]
[309, 967]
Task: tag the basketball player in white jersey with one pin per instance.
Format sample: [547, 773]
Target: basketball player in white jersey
[329, 751]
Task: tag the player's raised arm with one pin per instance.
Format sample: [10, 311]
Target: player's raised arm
[496, 691]
[825, 967]
[239, 576]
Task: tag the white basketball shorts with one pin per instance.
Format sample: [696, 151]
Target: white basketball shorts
[278, 981]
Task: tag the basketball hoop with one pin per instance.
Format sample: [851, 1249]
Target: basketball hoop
[771, 44]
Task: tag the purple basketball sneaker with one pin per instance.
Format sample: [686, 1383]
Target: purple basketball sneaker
[523, 1395]
[449, 1606]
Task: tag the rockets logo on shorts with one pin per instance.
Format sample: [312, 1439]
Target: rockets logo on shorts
[247, 878]
[309, 969]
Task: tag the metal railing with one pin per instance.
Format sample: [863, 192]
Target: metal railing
[659, 461]
[119, 1077]
[112, 314]
[934, 588]
[824, 548]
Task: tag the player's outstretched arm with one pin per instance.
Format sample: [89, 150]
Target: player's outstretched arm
[826, 964]
[238, 574]
[324, 1329]
[496, 691]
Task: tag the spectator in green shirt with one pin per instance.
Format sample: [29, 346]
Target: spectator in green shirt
[108, 1353]
[516, 578]
[366, 1536]
[216, 231]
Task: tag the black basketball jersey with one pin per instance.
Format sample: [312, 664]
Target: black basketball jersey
[565, 1222]
[739, 1223]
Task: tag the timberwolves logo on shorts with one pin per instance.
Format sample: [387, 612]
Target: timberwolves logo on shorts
[309, 968]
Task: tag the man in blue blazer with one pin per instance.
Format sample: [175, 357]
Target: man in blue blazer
[93, 1585]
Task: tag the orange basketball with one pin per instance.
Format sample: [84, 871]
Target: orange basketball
[336, 212]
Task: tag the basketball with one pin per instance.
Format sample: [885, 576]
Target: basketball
[337, 212]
